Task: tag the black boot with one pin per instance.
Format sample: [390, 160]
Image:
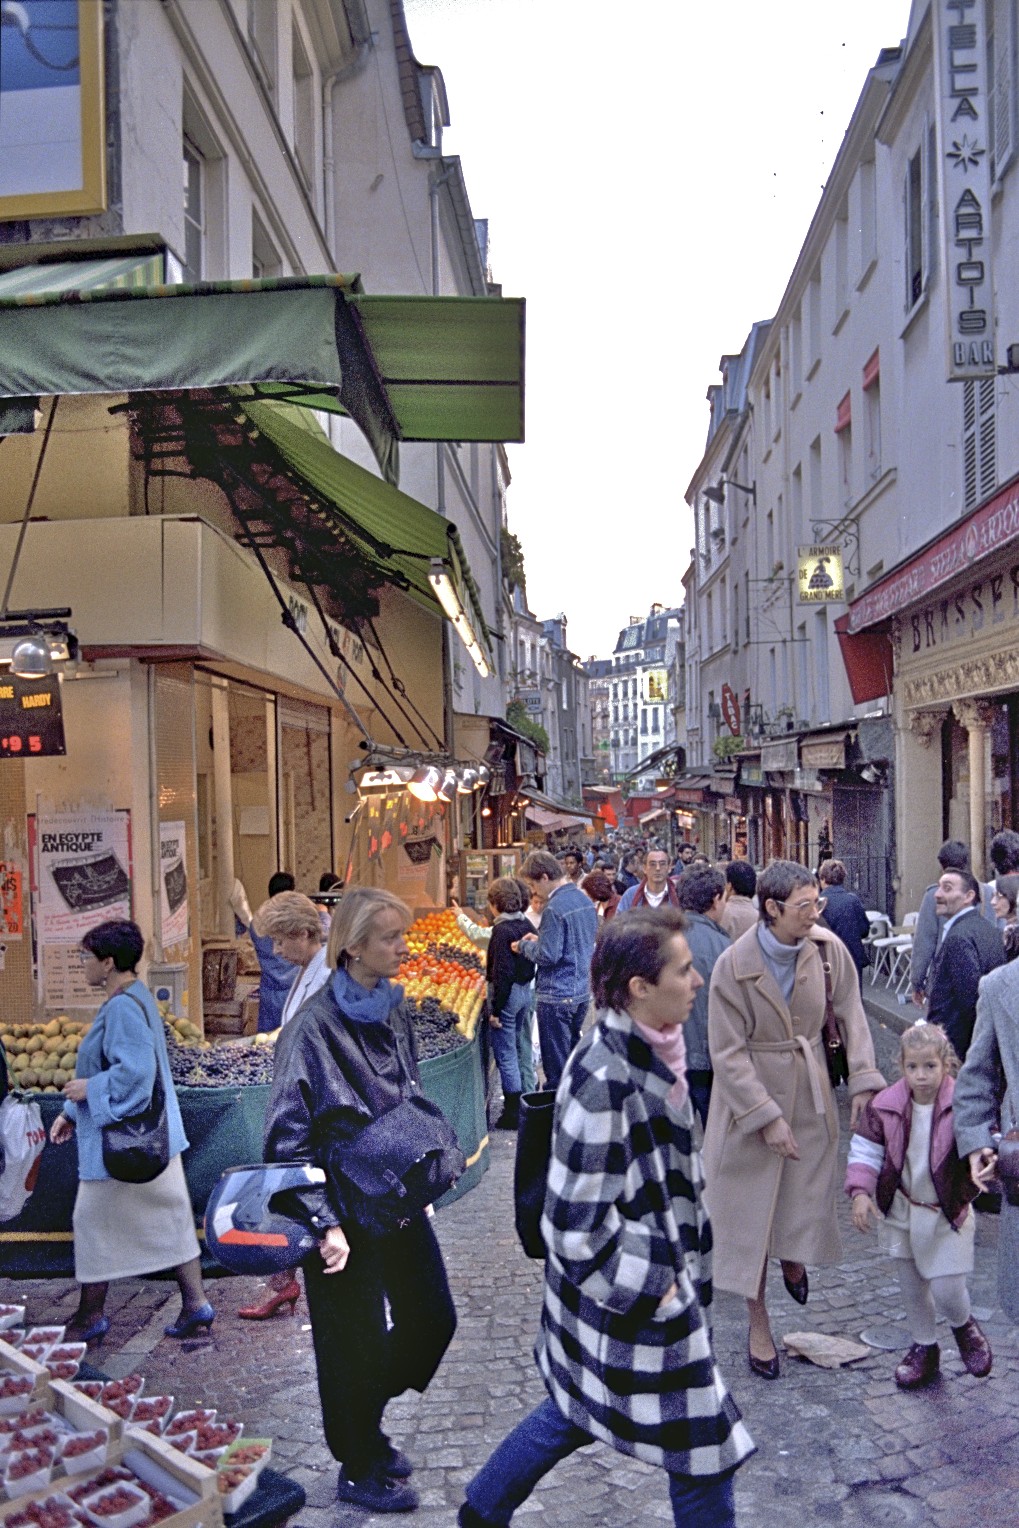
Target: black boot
[509, 1119]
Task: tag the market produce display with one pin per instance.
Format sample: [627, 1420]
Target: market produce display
[444, 982]
[42, 1057]
[218, 1066]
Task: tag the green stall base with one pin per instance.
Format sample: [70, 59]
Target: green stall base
[224, 1126]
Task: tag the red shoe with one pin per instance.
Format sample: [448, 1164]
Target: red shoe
[277, 1299]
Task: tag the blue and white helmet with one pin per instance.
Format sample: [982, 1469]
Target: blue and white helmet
[246, 1228]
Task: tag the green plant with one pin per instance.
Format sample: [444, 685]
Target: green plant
[512, 554]
[520, 719]
[725, 747]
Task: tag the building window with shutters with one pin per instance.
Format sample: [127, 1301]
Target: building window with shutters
[1001, 58]
[919, 210]
[979, 441]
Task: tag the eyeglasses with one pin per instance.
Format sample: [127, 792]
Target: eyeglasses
[817, 906]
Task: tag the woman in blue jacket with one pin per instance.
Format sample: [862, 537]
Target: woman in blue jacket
[124, 1230]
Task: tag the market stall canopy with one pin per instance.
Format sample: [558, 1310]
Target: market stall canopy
[403, 368]
[553, 822]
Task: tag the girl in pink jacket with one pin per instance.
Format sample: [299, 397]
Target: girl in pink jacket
[905, 1172]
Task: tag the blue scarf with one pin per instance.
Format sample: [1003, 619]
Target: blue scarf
[365, 1005]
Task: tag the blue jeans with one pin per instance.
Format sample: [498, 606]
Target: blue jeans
[559, 1026]
[525, 1044]
[542, 1439]
[504, 1038]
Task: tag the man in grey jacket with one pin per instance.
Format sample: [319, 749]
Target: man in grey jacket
[702, 899]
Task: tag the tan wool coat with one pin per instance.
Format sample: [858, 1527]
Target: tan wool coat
[769, 1064]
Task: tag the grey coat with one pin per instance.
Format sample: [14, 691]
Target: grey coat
[987, 1098]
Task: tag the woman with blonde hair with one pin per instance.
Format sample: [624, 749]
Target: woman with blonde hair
[381, 1312]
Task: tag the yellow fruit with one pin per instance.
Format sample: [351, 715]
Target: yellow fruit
[68, 1061]
[36, 1043]
[60, 1077]
[20, 1061]
[52, 1028]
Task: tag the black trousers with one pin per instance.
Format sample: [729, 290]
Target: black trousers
[363, 1361]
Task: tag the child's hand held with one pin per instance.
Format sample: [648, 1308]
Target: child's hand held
[863, 1208]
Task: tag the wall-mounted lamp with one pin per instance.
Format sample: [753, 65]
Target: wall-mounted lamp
[447, 790]
[445, 593]
[424, 782]
[31, 657]
[716, 491]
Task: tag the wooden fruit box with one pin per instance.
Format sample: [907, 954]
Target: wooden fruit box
[151, 1458]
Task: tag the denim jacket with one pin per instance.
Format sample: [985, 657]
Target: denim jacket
[569, 926]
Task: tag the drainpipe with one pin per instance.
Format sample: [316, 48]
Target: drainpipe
[337, 77]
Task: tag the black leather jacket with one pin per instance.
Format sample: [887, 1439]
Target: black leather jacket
[331, 1076]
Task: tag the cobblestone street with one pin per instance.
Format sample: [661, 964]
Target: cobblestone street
[844, 1448]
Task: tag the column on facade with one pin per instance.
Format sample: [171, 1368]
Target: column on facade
[976, 716]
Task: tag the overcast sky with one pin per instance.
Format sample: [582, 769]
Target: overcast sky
[649, 172]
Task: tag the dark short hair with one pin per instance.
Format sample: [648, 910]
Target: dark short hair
[742, 877]
[633, 944]
[832, 873]
[968, 879]
[572, 852]
[953, 855]
[699, 888]
[328, 879]
[1007, 886]
[504, 895]
[118, 940]
[778, 882]
[281, 881]
[1005, 851]
[539, 863]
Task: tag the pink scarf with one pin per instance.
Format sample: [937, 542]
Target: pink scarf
[670, 1047]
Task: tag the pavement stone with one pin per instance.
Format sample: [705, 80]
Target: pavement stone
[844, 1448]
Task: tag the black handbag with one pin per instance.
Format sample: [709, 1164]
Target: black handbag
[399, 1163]
[530, 1172]
[137, 1149]
[834, 1046]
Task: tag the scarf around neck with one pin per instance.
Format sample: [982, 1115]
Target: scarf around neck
[670, 1048]
[365, 1005]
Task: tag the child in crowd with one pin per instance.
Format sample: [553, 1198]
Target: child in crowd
[903, 1166]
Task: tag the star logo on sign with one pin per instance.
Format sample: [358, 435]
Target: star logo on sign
[965, 154]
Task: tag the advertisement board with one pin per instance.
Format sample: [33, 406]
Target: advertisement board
[819, 575]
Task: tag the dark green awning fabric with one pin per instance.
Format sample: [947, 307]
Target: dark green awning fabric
[456, 370]
[395, 533]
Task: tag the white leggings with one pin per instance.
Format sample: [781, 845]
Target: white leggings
[948, 1296]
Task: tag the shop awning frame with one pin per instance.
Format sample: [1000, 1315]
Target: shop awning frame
[403, 368]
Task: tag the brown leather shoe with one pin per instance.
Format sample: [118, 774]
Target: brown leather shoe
[920, 1367]
[974, 1348]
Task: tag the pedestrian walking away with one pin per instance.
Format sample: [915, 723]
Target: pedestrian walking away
[904, 1171]
[771, 1144]
[381, 1312]
[509, 972]
[625, 1343]
[740, 911]
[702, 899]
[844, 913]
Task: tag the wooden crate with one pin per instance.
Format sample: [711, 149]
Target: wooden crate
[148, 1452]
[224, 1018]
[219, 972]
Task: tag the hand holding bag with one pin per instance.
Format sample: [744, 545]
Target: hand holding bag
[137, 1149]
[397, 1165]
[834, 1045]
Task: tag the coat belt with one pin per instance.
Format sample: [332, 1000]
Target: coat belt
[798, 1043]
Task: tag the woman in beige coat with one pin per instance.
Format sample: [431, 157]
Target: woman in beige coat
[771, 1144]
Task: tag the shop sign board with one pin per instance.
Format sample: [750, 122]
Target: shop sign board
[532, 700]
[173, 884]
[819, 576]
[826, 753]
[778, 757]
[751, 773]
[730, 709]
[31, 717]
[964, 182]
[657, 686]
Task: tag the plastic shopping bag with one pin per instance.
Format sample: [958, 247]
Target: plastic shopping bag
[22, 1138]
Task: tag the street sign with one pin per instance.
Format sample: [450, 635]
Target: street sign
[31, 717]
[730, 709]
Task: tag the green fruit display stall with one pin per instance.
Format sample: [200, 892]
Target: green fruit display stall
[223, 1090]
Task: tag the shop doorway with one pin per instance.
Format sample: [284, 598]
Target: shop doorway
[862, 832]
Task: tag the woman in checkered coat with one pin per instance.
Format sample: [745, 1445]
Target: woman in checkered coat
[625, 1342]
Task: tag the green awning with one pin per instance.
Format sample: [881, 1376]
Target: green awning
[393, 532]
[454, 371]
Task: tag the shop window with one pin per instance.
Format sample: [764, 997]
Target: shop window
[305, 792]
[954, 779]
[979, 440]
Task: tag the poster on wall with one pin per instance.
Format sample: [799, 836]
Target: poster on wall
[81, 876]
[52, 128]
[173, 884]
[12, 913]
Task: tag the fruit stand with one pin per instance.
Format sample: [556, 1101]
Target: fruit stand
[223, 1090]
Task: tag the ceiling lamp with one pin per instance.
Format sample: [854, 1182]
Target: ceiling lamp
[447, 790]
[449, 599]
[484, 774]
[31, 658]
[391, 778]
[424, 783]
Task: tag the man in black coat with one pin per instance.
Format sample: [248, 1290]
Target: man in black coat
[970, 946]
[844, 913]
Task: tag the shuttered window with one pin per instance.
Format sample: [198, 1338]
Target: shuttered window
[979, 441]
[1001, 53]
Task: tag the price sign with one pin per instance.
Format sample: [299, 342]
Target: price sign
[31, 717]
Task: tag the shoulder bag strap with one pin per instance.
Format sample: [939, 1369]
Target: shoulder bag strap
[832, 1037]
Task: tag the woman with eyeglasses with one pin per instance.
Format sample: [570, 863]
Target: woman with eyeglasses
[771, 1143]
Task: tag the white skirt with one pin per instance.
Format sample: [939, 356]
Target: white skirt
[123, 1230]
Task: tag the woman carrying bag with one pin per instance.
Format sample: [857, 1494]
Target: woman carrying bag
[381, 1312]
[126, 1229]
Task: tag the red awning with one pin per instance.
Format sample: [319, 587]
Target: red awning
[872, 370]
[867, 656]
[844, 415]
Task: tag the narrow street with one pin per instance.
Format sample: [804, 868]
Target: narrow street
[842, 1447]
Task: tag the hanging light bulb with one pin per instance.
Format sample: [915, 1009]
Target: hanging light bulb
[424, 783]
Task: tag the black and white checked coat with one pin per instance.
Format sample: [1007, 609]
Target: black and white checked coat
[624, 1220]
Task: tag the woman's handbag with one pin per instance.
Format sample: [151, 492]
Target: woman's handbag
[530, 1174]
[1007, 1166]
[397, 1165]
[834, 1045]
[137, 1149]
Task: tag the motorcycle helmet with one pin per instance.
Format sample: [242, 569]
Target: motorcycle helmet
[247, 1228]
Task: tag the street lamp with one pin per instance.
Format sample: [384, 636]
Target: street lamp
[716, 491]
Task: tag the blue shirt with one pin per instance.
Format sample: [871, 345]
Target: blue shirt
[133, 1045]
[274, 984]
